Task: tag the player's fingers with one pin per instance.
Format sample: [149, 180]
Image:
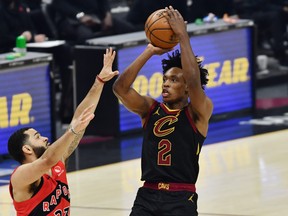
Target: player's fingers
[113, 54]
[175, 13]
[115, 73]
[110, 51]
[89, 108]
[178, 13]
[87, 112]
[169, 11]
[88, 117]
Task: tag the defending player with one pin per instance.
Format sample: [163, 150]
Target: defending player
[39, 185]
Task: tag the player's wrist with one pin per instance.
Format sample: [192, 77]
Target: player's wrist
[73, 131]
[101, 80]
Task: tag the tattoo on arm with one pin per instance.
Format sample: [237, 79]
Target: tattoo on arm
[73, 145]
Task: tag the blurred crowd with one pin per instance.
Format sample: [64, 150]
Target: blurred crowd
[75, 21]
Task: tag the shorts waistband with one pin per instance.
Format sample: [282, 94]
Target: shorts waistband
[170, 186]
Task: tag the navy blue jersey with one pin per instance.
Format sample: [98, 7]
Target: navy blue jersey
[171, 146]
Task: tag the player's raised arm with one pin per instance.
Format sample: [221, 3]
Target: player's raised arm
[123, 89]
[201, 105]
[37, 157]
[94, 94]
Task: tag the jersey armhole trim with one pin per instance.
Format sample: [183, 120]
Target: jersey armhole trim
[192, 123]
[149, 113]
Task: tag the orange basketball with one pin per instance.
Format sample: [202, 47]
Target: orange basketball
[158, 31]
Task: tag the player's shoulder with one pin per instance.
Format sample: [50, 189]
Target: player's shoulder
[149, 101]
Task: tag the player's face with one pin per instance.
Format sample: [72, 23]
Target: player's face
[174, 87]
[38, 143]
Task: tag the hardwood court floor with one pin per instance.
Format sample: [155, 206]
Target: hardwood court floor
[242, 177]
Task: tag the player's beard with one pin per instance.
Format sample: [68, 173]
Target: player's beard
[39, 151]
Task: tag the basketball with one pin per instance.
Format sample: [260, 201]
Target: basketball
[158, 31]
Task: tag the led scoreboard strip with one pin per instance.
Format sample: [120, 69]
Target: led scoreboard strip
[25, 96]
[228, 54]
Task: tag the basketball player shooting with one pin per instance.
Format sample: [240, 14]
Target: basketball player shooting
[174, 130]
[39, 185]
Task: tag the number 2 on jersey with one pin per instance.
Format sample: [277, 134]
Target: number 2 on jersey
[164, 153]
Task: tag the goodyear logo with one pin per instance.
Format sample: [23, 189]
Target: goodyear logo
[228, 72]
[18, 113]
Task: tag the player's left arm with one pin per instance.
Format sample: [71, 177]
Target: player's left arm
[93, 95]
[200, 104]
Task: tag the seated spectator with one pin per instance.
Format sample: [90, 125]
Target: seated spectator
[197, 10]
[38, 18]
[282, 7]
[15, 21]
[141, 9]
[220, 7]
[268, 20]
[87, 19]
[201, 8]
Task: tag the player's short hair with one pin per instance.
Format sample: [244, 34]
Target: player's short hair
[15, 143]
[174, 60]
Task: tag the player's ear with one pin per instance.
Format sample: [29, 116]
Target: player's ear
[186, 88]
[27, 149]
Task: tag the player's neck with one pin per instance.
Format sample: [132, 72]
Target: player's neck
[176, 106]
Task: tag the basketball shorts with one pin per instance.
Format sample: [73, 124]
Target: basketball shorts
[150, 202]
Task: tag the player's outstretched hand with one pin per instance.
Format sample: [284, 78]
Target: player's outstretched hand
[107, 73]
[79, 124]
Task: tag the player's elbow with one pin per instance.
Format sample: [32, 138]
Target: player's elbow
[48, 162]
[118, 88]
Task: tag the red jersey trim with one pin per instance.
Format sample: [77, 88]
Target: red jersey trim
[149, 113]
[191, 120]
[168, 110]
[176, 111]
